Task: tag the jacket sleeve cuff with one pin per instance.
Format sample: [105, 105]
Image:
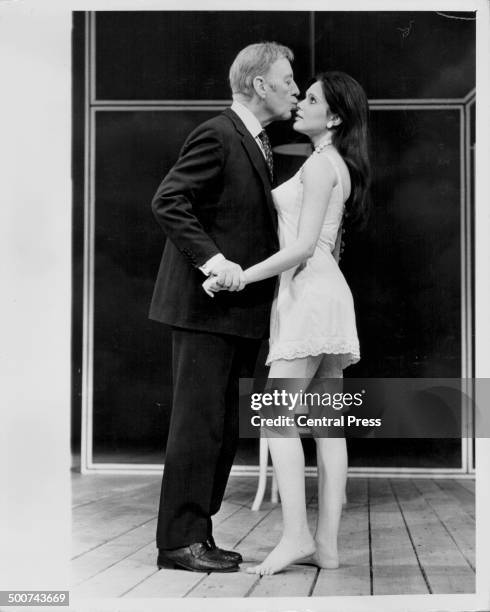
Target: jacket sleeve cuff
[206, 268]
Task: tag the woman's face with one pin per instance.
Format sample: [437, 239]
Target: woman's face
[313, 112]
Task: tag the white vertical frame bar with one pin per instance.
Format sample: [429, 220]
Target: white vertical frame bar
[86, 450]
[465, 312]
[469, 289]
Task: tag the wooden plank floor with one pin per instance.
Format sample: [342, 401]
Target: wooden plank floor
[397, 536]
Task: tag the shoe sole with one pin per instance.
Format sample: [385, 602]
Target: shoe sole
[174, 565]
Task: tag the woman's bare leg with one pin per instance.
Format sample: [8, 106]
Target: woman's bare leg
[289, 465]
[332, 478]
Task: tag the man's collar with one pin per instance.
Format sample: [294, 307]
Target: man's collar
[249, 120]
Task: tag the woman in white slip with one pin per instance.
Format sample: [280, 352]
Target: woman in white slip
[313, 329]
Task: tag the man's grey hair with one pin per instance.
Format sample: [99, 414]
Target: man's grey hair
[255, 60]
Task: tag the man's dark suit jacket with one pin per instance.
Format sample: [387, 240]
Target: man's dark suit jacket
[216, 198]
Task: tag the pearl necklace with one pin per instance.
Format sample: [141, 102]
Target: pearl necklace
[319, 148]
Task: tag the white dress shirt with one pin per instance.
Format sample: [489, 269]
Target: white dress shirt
[250, 121]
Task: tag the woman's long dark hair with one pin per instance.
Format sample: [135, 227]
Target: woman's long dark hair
[346, 98]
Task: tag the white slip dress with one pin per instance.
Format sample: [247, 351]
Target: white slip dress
[313, 310]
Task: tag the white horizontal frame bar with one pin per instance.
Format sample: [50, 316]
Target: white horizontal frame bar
[470, 96]
[217, 106]
[161, 108]
[419, 105]
[359, 472]
[221, 103]
[414, 101]
[226, 103]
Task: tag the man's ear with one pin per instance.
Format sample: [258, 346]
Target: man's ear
[259, 87]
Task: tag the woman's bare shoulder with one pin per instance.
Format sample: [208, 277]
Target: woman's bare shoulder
[319, 168]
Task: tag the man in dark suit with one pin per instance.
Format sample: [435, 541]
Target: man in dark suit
[215, 207]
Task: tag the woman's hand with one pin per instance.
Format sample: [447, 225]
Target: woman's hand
[212, 285]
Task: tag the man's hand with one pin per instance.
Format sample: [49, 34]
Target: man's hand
[228, 275]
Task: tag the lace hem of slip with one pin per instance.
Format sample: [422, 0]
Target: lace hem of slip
[348, 350]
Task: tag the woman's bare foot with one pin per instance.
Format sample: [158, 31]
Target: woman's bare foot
[321, 557]
[325, 557]
[285, 553]
[325, 562]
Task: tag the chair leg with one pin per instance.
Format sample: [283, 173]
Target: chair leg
[263, 461]
[274, 489]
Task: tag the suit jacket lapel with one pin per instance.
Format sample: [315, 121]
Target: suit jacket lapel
[256, 158]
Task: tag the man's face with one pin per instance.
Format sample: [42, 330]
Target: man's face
[281, 90]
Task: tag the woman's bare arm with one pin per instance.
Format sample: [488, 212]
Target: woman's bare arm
[318, 181]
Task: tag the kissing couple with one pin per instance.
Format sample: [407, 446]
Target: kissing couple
[246, 259]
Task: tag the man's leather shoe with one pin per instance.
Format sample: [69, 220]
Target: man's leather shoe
[229, 555]
[195, 558]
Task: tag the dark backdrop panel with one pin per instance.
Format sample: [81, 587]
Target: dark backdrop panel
[403, 270]
[132, 357]
[186, 55]
[393, 54]
[401, 54]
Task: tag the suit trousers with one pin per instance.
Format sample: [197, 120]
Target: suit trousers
[203, 434]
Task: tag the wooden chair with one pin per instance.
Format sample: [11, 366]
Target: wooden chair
[263, 464]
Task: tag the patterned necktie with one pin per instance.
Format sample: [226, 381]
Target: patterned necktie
[266, 143]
